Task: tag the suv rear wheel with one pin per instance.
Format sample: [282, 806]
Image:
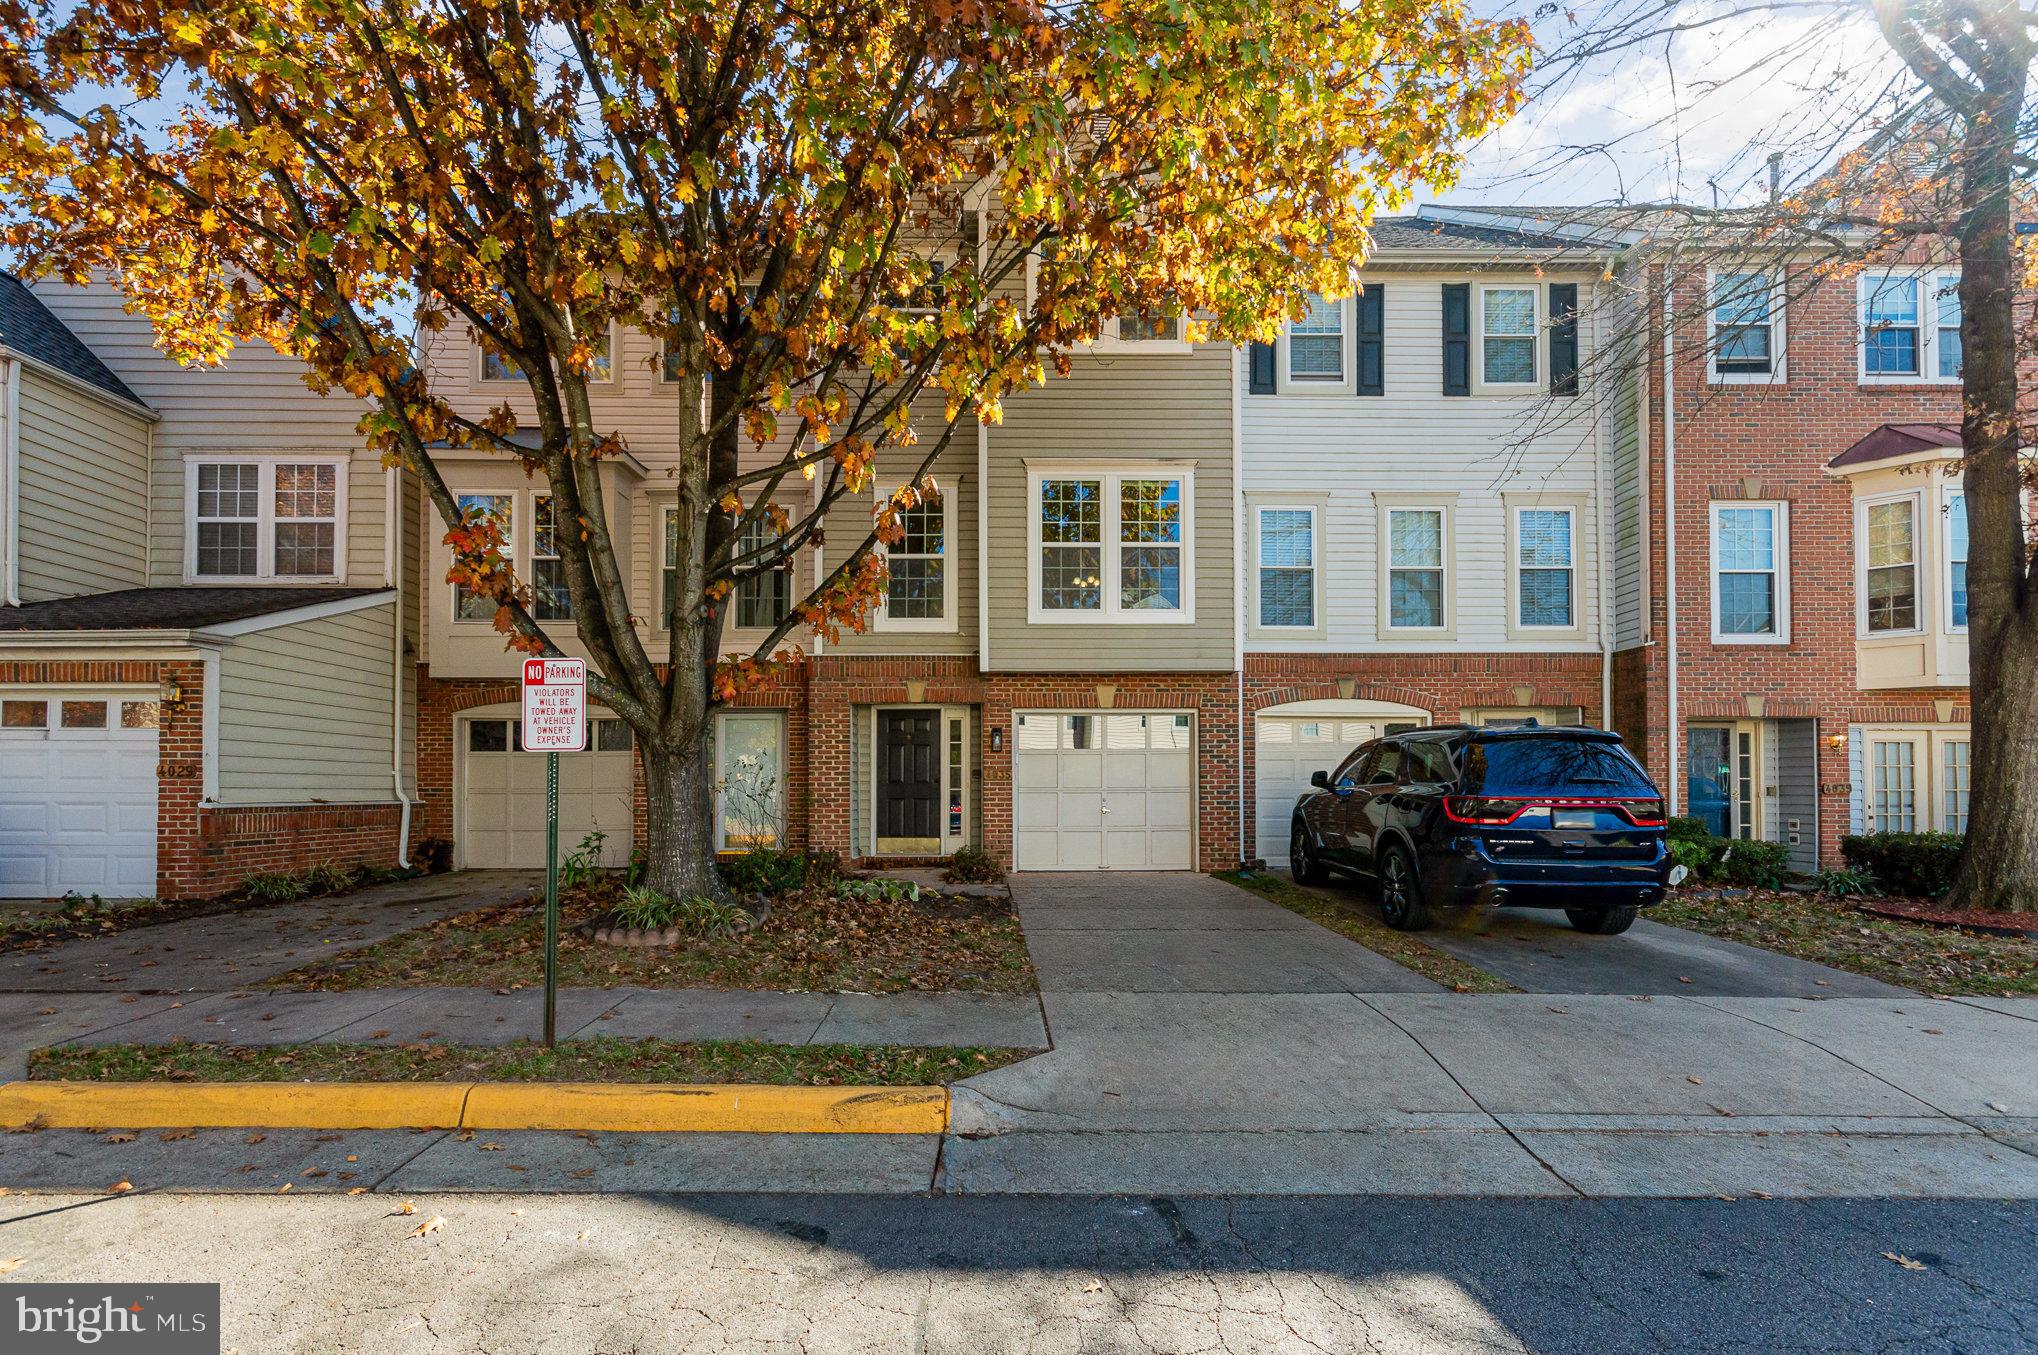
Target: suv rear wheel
[1401, 904]
[1602, 921]
[1302, 862]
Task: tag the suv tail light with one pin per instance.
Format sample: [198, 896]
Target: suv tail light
[1482, 809]
[1644, 813]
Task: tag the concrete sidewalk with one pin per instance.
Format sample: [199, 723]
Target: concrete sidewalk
[1234, 1056]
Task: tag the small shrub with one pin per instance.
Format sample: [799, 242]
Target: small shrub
[972, 865]
[328, 878]
[1838, 884]
[769, 872]
[1684, 828]
[1917, 865]
[1757, 865]
[274, 886]
[696, 916]
[433, 855]
[877, 891]
[582, 865]
[1696, 855]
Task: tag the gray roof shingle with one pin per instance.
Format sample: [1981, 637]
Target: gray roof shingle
[166, 608]
[27, 327]
[1418, 233]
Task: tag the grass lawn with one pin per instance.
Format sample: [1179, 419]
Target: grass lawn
[1929, 959]
[602, 1059]
[1343, 913]
[811, 942]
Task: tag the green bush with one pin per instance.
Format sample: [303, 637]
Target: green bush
[328, 877]
[770, 872]
[1838, 884]
[1684, 828]
[274, 886]
[696, 916]
[972, 865]
[877, 891]
[1757, 865]
[582, 865]
[1696, 855]
[1917, 865]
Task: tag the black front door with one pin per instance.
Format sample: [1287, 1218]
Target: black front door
[908, 780]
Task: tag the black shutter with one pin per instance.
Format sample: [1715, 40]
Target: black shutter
[1563, 338]
[1457, 338]
[1260, 369]
[1372, 339]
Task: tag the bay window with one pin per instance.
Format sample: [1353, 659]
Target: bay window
[469, 605]
[1889, 586]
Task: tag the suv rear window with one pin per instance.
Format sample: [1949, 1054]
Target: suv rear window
[1552, 766]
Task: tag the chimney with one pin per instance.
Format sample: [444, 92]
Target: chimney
[1775, 176]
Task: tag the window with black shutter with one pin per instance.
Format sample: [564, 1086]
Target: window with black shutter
[1563, 338]
[1260, 369]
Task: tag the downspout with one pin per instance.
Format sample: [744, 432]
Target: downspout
[392, 574]
[10, 463]
[1670, 513]
[1604, 536]
[1239, 547]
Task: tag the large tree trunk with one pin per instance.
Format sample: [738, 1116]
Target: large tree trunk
[2000, 869]
[679, 821]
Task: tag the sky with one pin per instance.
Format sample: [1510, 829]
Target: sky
[1691, 115]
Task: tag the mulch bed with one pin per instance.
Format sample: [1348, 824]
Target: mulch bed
[1968, 919]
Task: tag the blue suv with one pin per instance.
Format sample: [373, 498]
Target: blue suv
[1453, 816]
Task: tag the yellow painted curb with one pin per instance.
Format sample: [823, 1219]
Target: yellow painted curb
[232, 1105]
[646, 1107]
[665, 1107]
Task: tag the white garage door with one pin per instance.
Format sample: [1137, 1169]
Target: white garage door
[502, 822]
[1103, 790]
[77, 795]
[1287, 749]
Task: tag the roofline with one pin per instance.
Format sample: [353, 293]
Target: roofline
[178, 643]
[1602, 239]
[79, 384]
[291, 616]
[195, 637]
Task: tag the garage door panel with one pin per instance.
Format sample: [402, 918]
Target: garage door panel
[1127, 771]
[1288, 749]
[503, 805]
[1034, 809]
[1123, 801]
[1079, 811]
[77, 811]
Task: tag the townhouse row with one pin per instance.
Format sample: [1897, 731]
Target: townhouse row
[1492, 485]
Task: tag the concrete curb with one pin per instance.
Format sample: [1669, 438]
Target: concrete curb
[649, 1107]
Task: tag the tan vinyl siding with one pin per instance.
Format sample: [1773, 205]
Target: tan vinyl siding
[255, 403]
[84, 492]
[1121, 408]
[1630, 531]
[304, 712]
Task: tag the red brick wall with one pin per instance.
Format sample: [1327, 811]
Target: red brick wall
[1771, 442]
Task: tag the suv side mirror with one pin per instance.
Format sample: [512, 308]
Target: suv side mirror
[1320, 779]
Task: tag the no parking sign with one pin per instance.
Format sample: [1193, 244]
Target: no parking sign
[555, 705]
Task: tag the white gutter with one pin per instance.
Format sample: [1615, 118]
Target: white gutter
[1243, 531]
[1670, 511]
[1604, 536]
[392, 574]
[10, 484]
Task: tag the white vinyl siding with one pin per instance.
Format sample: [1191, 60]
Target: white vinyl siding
[83, 492]
[304, 712]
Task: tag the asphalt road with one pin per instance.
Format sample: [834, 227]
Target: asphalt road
[843, 1274]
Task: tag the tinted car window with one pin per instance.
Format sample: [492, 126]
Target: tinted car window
[1552, 767]
[1386, 766]
[1349, 769]
[1429, 760]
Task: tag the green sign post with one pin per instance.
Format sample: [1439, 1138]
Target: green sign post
[555, 722]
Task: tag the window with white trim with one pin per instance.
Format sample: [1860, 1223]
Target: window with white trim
[668, 574]
[763, 598]
[1893, 785]
[1956, 560]
[494, 367]
[919, 591]
[550, 599]
[1744, 326]
[1889, 586]
[1910, 326]
[1110, 545]
[1286, 541]
[268, 519]
[500, 509]
[1416, 551]
[750, 770]
[1749, 551]
[1507, 336]
[1545, 568]
[1954, 784]
[1160, 325]
[1316, 342]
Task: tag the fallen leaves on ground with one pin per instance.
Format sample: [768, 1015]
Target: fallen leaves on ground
[120, 1187]
[407, 1207]
[119, 1138]
[11, 1263]
[1906, 1262]
[428, 1227]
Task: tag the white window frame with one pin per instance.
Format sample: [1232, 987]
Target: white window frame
[1386, 505]
[482, 378]
[1111, 476]
[948, 622]
[1535, 336]
[1315, 510]
[1111, 341]
[531, 578]
[1928, 281]
[1923, 810]
[790, 567]
[265, 517]
[720, 809]
[1778, 372]
[1319, 380]
[1515, 624]
[1919, 589]
[1947, 494]
[1779, 520]
[1942, 814]
[518, 543]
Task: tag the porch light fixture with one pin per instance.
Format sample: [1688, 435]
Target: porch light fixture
[1836, 740]
[997, 738]
[172, 695]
